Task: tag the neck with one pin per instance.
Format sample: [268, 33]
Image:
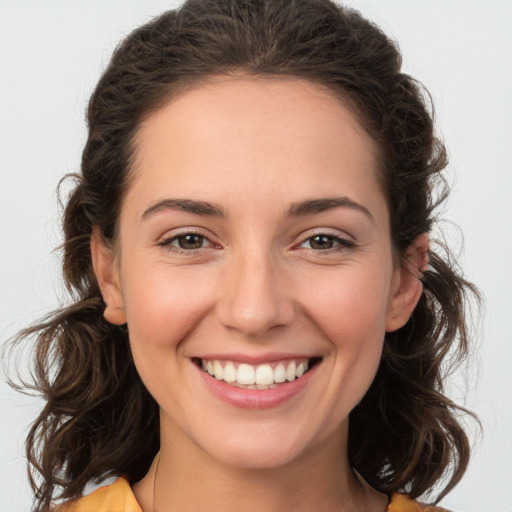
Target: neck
[184, 478]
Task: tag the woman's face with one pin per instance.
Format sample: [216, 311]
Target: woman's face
[254, 239]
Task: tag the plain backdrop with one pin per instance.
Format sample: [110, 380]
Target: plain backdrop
[51, 55]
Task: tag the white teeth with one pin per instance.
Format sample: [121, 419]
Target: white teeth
[229, 372]
[280, 373]
[217, 368]
[261, 376]
[264, 375]
[245, 374]
[290, 371]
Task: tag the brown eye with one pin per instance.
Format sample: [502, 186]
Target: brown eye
[326, 242]
[321, 242]
[186, 242]
[189, 241]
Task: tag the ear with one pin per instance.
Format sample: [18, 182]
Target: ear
[106, 271]
[407, 286]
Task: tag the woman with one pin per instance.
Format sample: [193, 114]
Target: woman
[259, 319]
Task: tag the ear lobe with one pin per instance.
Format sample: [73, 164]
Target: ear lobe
[407, 286]
[105, 269]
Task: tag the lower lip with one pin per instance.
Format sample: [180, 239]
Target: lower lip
[256, 398]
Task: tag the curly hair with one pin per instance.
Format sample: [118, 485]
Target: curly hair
[99, 420]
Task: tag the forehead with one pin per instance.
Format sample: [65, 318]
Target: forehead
[232, 135]
[287, 103]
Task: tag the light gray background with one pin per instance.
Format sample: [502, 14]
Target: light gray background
[51, 54]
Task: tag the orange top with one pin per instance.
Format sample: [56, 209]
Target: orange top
[118, 497]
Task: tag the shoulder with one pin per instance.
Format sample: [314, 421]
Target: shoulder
[116, 497]
[402, 503]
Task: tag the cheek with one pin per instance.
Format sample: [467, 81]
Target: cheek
[163, 305]
[350, 305]
[350, 311]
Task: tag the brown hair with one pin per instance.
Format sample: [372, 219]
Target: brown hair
[99, 420]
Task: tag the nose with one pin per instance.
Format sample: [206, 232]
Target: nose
[256, 297]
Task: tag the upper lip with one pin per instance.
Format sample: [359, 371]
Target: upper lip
[255, 359]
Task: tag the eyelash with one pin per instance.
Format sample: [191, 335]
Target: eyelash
[168, 242]
[342, 243]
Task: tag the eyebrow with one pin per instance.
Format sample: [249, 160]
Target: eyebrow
[185, 205]
[312, 206]
[298, 209]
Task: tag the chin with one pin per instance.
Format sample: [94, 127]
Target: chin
[259, 448]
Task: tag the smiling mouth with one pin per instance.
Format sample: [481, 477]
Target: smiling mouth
[261, 376]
